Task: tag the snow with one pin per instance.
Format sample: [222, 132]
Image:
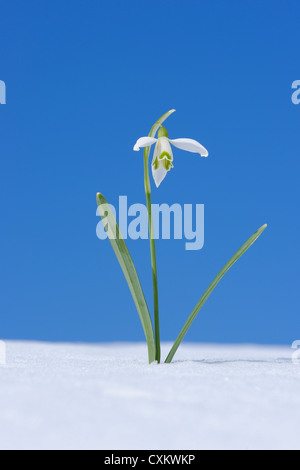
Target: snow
[78, 396]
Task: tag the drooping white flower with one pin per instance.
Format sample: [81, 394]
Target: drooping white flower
[162, 161]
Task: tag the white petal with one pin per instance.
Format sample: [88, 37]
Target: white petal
[159, 174]
[144, 142]
[164, 146]
[156, 150]
[190, 145]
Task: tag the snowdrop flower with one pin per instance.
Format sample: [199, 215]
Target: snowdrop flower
[163, 156]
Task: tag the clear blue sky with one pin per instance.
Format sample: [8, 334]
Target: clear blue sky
[84, 81]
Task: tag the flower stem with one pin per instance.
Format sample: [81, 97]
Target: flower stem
[152, 133]
[153, 254]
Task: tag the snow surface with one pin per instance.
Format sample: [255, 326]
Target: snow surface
[77, 396]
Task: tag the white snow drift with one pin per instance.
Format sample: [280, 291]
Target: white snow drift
[66, 396]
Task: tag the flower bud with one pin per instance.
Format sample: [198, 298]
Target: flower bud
[162, 132]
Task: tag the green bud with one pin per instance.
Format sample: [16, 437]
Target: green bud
[162, 132]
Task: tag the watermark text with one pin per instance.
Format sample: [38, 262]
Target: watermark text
[2, 353]
[296, 93]
[176, 221]
[296, 354]
[2, 92]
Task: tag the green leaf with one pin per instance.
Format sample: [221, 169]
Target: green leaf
[128, 268]
[209, 290]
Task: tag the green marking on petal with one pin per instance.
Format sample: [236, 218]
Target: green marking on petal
[155, 164]
[167, 164]
[165, 154]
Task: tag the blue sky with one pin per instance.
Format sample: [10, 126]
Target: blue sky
[84, 81]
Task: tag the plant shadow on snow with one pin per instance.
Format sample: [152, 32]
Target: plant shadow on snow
[280, 360]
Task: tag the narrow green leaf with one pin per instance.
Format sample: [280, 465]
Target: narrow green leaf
[128, 268]
[209, 290]
[160, 121]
